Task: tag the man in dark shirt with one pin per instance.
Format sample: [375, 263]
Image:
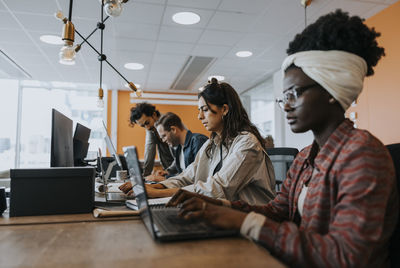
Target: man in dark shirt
[185, 143]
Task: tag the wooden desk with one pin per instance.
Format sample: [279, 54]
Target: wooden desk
[124, 243]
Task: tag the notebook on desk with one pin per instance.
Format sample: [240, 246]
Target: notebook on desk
[132, 204]
[163, 222]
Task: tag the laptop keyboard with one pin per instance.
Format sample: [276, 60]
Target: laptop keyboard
[168, 220]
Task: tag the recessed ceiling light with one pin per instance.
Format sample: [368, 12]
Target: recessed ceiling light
[218, 77]
[244, 54]
[51, 39]
[137, 85]
[134, 66]
[186, 18]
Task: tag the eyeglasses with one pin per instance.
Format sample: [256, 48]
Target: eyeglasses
[290, 96]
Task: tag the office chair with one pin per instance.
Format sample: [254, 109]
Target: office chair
[394, 249]
[281, 158]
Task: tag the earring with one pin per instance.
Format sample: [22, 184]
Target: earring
[332, 100]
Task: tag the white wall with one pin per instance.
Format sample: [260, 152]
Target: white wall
[284, 137]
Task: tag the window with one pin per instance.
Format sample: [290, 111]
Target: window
[8, 121]
[260, 105]
[78, 102]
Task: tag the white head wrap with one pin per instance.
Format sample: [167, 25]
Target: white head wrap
[338, 72]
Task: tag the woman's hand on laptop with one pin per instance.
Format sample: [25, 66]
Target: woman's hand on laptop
[220, 216]
[183, 195]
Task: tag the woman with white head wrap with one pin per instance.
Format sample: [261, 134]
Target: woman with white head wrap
[338, 205]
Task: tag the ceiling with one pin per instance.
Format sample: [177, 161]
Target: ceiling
[145, 33]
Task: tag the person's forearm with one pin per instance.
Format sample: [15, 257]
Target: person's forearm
[156, 193]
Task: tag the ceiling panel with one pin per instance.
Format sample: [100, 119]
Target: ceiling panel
[212, 37]
[81, 9]
[45, 23]
[170, 70]
[174, 48]
[130, 44]
[14, 37]
[7, 21]
[204, 4]
[205, 16]
[353, 7]
[169, 58]
[139, 57]
[228, 20]
[46, 7]
[210, 50]
[267, 24]
[139, 31]
[141, 13]
[160, 2]
[180, 34]
[240, 6]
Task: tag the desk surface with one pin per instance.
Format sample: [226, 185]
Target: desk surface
[124, 243]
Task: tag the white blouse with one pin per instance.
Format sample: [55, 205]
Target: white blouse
[246, 174]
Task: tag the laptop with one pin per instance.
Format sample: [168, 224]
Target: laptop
[110, 197]
[163, 223]
[111, 148]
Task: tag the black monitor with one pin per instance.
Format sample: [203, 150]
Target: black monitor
[81, 144]
[61, 154]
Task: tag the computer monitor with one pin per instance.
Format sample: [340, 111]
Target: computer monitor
[61, 154]
[81, 144]
[111, 147]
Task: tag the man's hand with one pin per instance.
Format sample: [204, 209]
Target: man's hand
[160, 172]
[154, 177]
[159, 190]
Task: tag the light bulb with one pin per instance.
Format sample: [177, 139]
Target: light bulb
[138, 93]
[100, 103]
[67, 55]
[112, 8]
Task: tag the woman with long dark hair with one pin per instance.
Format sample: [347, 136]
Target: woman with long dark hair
[233, 163]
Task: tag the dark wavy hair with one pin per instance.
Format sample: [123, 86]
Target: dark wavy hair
[140, 109]
[338, 31]
[236, 120]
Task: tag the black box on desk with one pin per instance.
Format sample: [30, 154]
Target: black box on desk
[47, 191]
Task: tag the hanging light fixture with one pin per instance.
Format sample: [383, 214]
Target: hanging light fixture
[68, 51]
[305, 4]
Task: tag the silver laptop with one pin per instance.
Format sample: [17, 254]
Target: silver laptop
[112, 197]
[162, 222]
[111, 148]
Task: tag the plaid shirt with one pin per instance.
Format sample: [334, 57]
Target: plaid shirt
[349, 212]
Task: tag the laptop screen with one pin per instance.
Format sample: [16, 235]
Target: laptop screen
[138, 186]
[111, 147]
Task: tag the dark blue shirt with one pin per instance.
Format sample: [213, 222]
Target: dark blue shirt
[193, 143]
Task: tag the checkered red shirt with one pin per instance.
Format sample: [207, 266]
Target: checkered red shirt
[349, 212]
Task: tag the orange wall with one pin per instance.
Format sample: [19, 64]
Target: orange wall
[136, 135]
[378, 107]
